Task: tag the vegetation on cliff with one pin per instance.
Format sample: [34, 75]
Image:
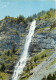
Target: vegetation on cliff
[50, 77]
[13, 32]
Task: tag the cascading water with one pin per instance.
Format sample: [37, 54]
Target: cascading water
[22, 62]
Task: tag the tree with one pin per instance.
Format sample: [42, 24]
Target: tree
[29, 19]
[42, 56]
[53, 78]
[35, 59]
[35, 15]
[5, 17]
[51, 9]
[3, 67]
[53, 25]
[39, 18]
[20, 19]
[31, 67]
[27, 69]
[44, 78]
[8, 53]
[45, 55]
[14, 48]
[48, 14]
[49, 77]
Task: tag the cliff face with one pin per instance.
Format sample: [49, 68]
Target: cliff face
[12, 39]
[44, 38]
[13, 35]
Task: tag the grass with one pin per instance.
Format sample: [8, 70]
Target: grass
[4, 76]
[8, 61]
[18, 51]
[12, 57]
[48, 52]
[43, 30]
[53, 62]
[53, 29]
[24, 78]
[22, 35]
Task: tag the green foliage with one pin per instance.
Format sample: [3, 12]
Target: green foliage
[53, 25]
[31, 67]
[22, 35]
[2, 67]
[20, 19]
[43, 56]
[29, 19]
[34, 15]
[46, 15]
[44, 78]
[4, 76]
[18, 51]
[5, 17]
[35, 59]
[27, 69]
[39, 18]
[8, 53]
[16, 32]
[50, 77]
[14, 48]
[49, 14]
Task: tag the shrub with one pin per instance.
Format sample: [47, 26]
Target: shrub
[14, 48]
[5, 17]
[29, 19]
[35, 59]
[2, 68]
[31, 67]
[50, 77]
[53, 25]
[20, 19]
[27, 69]
[44, 78]
[42, 56]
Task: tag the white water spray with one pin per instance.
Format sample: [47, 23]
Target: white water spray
[22, 62]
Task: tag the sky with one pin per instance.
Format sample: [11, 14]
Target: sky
[14, 8]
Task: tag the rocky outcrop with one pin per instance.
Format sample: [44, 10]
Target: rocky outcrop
[15, 34]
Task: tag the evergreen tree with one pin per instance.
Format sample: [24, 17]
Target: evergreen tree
[49, 77]
[35, 59]
[3, 67]
[20, 19]
[14, 48]
[44, 78]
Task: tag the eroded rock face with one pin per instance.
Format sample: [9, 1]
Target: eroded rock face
[16, 34]
[11, 33]
[43, 38]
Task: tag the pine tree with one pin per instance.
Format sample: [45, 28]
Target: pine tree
[3, 67]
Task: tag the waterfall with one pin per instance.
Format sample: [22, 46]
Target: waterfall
[22, 62]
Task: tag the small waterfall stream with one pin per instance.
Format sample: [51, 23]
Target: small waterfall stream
[22, 62]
